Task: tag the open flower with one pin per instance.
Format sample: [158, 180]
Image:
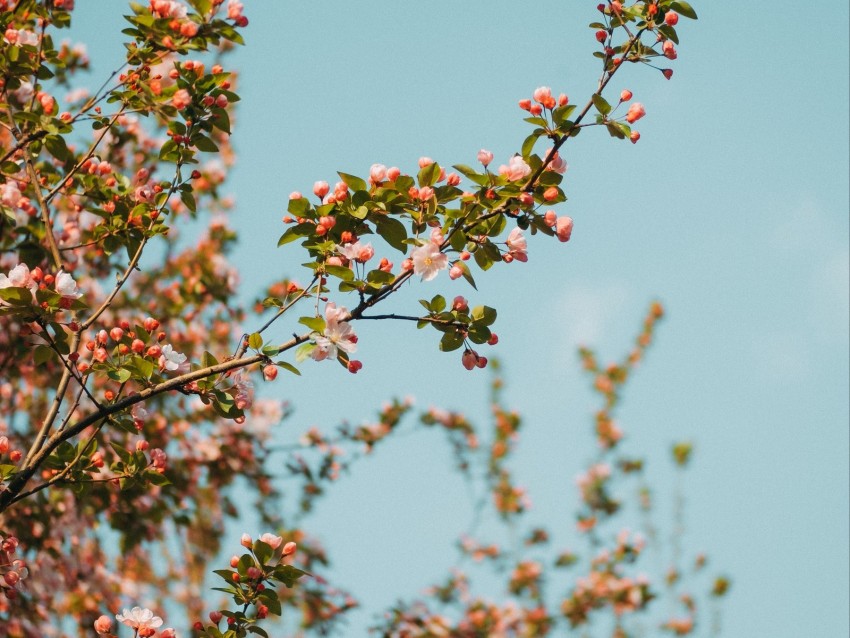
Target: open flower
[517, 245]
[139, 618]
[171, 360]
[19, 277]
[428, 261]
[516, 169]
[338, 335]
[66, 286]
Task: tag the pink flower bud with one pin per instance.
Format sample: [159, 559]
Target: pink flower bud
[564, 228]
[103, 624]
[634, 136]
[320, 189]
[426, 193]
[116, 334]
[453, 179]
[669, 50]
[667, 73]
[525, 105]
[485, 157]
[289, 548]
[625, 95]
[671, 18]
[551, 194]
[535, 109]
[455, 272]
[563, 100]
[393, 173]
[493, 340]
[601, 35]
[246, 541]
[354, 366]
[270, 372]
[636, 111]
[460, 304]
[377, 173]
[234, 561]
[215, 617]
[425, 161]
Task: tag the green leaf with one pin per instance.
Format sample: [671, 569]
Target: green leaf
[472, 175]
[262, 551]
[208, 360]
[562, 113]
[451, 341]
[353, 182]
[341, 272]
[188, 200]
[393, 232]
[438, 304]
[203, 143]
[304, 351]
[537, 121]
[484, 315]
[685, 9]
[255, 341]
[316, 324]
[16, 296]
[428, 175]
[121, 375]
[55, 145]
[530, 141]
[289, 367]
[42, 353]
[296, 232]
[601, 104]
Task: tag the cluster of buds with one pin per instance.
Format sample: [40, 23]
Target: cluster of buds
[12, 570]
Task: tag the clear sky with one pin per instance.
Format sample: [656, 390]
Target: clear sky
[732, 210]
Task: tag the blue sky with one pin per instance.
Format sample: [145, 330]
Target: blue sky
[732, 210]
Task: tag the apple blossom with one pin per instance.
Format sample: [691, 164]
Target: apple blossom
[66, 286]
[428, 261]
[377, 173]
[103, 624]
[485, 157]
[635, 112]
[517, 245]
[671, 18]
[138, 618]
[171, 360]
[564, 228]
[515, 170]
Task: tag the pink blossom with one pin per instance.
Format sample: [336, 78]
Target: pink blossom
[517, 245]
[357, 251]
[320, 189]
[671, 18]
[558, 164]
[271, 540]
[66, 286]
[393, 173]
[426, 193]
[485, 157]
[138, 618]
[181, 99]
[634, 136]
[564, 228]
[636, 111]
[103, 624]
[171, 360]
[543, 95]
[338, 335]
[455, 272]
[625, 95]
[425, 161]
[289, 548]
[246, 541]
[295, 195]
[428, 261]
[234, 9]
[19, 277]
[669, 50]
[516, 169]
[377, 173]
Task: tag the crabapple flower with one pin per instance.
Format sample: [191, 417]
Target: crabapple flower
[377, 173]
[558, 164]
[103, 624]
[181, 99]
[19, 277]
[669, 50]
[170, 359]
[516, 169]
[428, 261]
[271, 540]
[485, 157]
[357, 251]
[636, 111]
[338, 335]
[138, 618]
[564, 228]
[517, 245]
[66, 286]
